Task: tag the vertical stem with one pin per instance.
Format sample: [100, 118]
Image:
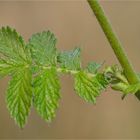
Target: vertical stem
[114, 42]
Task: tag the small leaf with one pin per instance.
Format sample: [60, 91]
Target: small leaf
[93, 67]
[119, 86]
[70, 59]
[46, 93]
[43, 48]
[19, 96]
[89, 87]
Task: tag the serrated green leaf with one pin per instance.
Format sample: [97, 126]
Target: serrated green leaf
[6, 67]
[19, 96]
[93, 67]
[46, 83]
[101, 78]
[89, 87]
[46, 93]
[12, 45]
[13, 51]
[70, 59]
[43, 48]
[15, 60]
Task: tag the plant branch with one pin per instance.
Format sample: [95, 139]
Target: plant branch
[114, 42]
[65, 70]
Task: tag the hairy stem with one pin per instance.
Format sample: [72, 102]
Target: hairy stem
[73, 72]
[114, 42]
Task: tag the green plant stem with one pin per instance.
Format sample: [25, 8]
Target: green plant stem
[114, 42]
[72, 72]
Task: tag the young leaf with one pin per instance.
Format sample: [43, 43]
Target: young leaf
[70, 59]
[93, 67]
[19, 96]
[89, 87]
[43, 48]
[46, 93]
[120, 86]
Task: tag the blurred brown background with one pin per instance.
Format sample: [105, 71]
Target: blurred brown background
[74, 24]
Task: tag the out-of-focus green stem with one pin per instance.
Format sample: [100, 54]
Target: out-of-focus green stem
[114, 42]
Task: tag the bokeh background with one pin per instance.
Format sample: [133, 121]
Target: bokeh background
[75, 25]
